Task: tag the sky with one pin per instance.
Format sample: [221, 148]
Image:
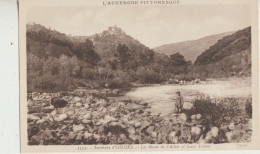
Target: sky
[151, 25]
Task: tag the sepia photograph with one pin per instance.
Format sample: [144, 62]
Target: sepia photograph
[138, 75]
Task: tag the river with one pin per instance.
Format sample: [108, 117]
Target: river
[162, 97]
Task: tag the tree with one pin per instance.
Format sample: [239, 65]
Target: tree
[86, 52]
[177, 59]
[122, 55]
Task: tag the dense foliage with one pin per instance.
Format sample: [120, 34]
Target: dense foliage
[55, 62]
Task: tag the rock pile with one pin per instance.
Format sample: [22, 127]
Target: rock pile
[87, 119]
[183, 82]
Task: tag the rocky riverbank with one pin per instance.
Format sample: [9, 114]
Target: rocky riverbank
[89, 119]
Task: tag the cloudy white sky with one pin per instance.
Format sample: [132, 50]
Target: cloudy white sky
[151, 25]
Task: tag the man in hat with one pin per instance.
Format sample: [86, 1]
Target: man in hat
[179, 102]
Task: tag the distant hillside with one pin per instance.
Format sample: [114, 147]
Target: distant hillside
[231, 55]
[191, 49]
[106, 44]
[46, 42]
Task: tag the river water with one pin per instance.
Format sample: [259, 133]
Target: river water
[162, 97]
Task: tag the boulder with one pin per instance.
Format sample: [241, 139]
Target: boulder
[89, 100]
[35, 95]
[40, 121]
[193, 117]
[134, 137]
[231, 126]
[85, 121]
[97, 137]
[102, 103]
[214, 131]
[154, 134]
[32, 117]
[61, 117]
[87, 116]
[131, 130]
[150, 129]
[172, 137]
[36, 140]
[78, 128]
[72, 135]
[70, 112]
[198, 116]
[87, 135]
[47, 109]
[187, 105]
[79, 136]
[230, 136]
[115, 91]
[208, 138]
[78, 104]
[54, 112]
[76, 100]
[58, 102]
[138, 124]
[30, 103]
[183, 117]
[172, 134]
[86, 106]
[196, 131]
[109, 118]
[147, 140]
[212, 135]
[113, 109]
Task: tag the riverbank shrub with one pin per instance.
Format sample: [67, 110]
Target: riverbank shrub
[148, 75]
[215, 113]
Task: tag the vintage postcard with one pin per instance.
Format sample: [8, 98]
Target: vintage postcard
[137, 75]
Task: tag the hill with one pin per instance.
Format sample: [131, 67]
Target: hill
[191, 49]
[56, 61]
[230, 56]
[45, 42]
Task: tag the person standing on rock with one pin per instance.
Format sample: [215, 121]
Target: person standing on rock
[179, 102]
